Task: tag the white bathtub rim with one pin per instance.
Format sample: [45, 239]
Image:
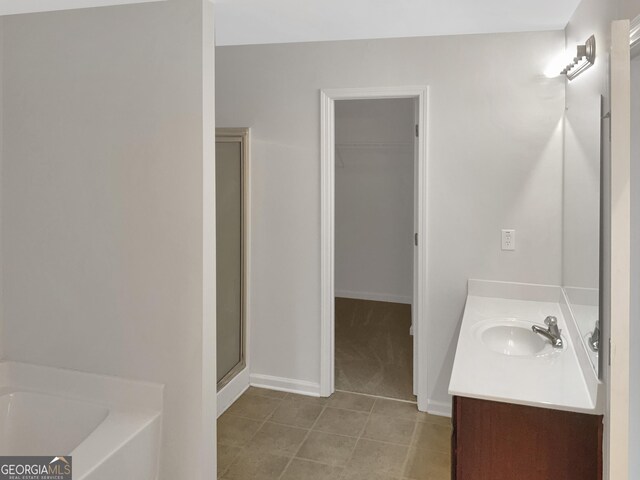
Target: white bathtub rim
[132, 407]
[113, 392]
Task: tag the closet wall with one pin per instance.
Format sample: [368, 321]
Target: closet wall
[374, 199]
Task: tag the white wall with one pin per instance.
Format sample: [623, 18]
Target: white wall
[2, 335]
[14, 7]
[495, 161]
[108, 127]
[374, 199]
[629, 9]
[634, 390]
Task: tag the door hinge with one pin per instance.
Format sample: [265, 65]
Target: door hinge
[417, 130]
[415, 239]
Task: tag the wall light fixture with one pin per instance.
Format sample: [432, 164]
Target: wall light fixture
[585, 58]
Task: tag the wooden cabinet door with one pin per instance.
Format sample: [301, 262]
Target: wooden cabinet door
[501, 441]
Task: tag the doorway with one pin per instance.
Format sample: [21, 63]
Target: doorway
[413, 304]
[374, 242]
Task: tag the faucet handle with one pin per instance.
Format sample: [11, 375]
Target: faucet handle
[551, 321]
[594, 338]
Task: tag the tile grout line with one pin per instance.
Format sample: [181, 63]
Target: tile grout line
[294, 456]
[376, 397]
[397, 417]
[235, 457]
[344, 472]
[405, 464]
[309, 403]
[336, 434]
[380, 397]
[244, 447]
[324, 406]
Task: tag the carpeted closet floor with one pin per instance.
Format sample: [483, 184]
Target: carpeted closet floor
[374, 350]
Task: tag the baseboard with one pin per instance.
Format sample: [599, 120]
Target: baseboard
[232, 391]
[442, 409]
[281, 384]
[376, 297]
[302, 387]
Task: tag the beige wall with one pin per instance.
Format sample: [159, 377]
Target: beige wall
[495, 161]
[105, 138]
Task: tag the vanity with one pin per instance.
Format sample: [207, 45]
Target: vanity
[527, 405]
[527, 399]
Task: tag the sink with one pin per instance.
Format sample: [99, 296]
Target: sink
[512, 337]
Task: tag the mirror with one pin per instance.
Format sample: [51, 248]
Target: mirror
[582, 205]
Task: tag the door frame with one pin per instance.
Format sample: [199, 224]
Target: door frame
[237, 379]
[328, 97]
[620, 252]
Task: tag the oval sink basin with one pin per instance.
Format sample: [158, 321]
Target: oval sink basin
[512, 338]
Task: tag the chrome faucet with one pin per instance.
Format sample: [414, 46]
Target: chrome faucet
[552, 333]
[594, 338]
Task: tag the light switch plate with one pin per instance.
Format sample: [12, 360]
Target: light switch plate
[508, 240]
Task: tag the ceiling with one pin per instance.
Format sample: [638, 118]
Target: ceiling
[241, 22]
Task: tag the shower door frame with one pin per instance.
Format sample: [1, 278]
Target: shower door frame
[241, 136]
[328, 97]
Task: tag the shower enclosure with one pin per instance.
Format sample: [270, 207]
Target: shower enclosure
[231, 172]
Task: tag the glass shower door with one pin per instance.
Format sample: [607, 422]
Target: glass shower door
[230, 231]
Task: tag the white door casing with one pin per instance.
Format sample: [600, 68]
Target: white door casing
[618, 421]
[327, 227]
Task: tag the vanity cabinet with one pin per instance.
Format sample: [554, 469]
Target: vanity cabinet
[502, 441]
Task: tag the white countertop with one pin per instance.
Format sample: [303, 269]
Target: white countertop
[560, 380]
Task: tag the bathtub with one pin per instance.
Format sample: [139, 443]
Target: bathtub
[110, 427]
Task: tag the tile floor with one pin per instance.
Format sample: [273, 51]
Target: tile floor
[270, 435]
